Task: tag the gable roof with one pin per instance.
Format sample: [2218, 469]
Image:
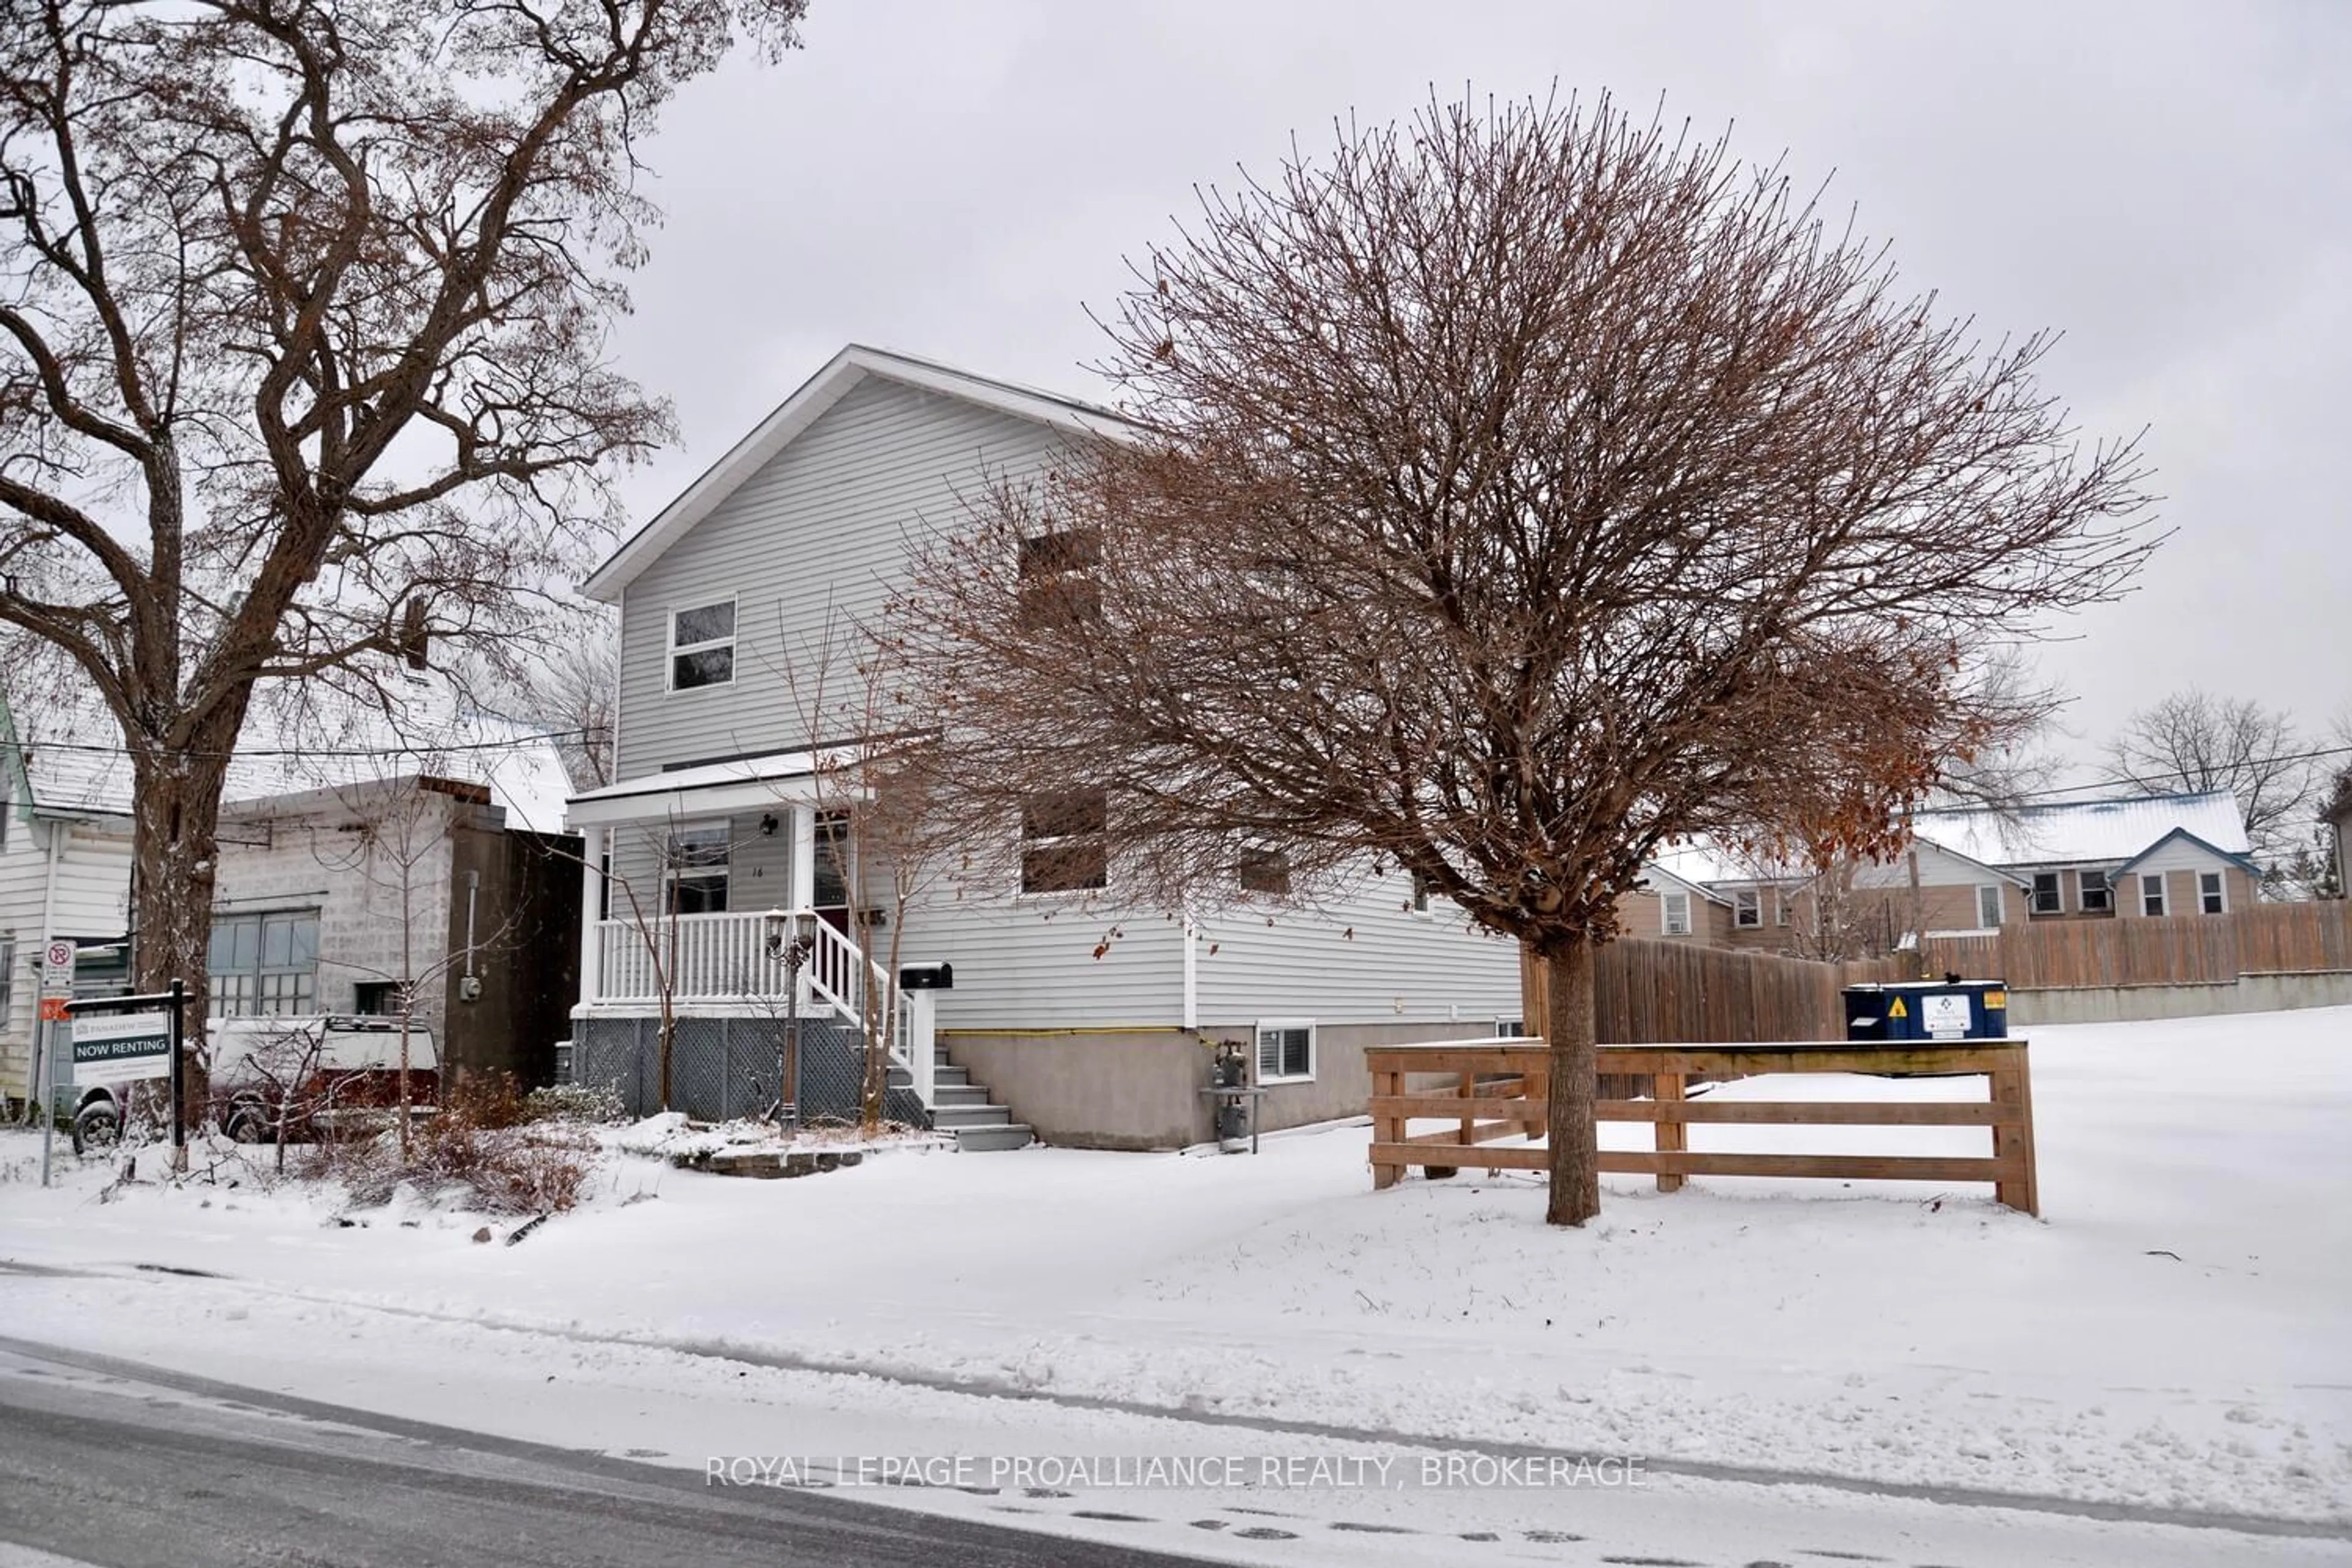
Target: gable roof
[2240, 861]
[820, 392]
[2085, 832]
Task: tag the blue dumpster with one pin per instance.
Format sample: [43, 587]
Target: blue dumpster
[1948, 1009]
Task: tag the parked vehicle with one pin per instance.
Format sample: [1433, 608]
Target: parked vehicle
[299, 1077]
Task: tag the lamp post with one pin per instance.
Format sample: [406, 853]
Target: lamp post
[789, 939]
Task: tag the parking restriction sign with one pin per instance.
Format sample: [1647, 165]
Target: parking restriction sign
[60, 962]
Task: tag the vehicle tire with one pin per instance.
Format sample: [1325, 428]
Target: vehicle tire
[246, 1123]
[97, 1125]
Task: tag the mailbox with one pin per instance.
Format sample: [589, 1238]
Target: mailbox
[926, 976]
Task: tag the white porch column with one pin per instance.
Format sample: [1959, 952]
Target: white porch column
[803, 875]
[923, 1041]
[592, 901]
[803, 868]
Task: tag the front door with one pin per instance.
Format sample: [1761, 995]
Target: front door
[831, 896]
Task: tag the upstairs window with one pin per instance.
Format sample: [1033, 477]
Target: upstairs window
[1065, 842]
[2093, 893]
[1747, 909]
[1418, 903]
[1779, 907]
[2212, 897]
[1263, 870]
[2151, 893]
[1674, 914]
[694, 870]
[2047, 898]
[1056, 587]
[1285, 1050]
[1989, 907]
[702, 646]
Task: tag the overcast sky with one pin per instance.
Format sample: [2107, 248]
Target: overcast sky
[2170, 186]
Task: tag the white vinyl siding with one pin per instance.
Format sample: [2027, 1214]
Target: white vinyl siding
[821, 530]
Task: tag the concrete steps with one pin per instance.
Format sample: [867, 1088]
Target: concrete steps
[963, 1107]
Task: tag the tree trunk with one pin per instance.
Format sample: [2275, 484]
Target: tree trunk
[1568, 1121]
[174, 846]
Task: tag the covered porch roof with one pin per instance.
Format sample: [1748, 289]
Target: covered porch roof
[740, 783]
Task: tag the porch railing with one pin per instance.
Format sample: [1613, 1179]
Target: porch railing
[724, 960]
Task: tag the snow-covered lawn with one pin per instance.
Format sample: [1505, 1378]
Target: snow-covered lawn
[2172, 1332]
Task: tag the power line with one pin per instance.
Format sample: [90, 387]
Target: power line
[410, 750]
[2180, 773]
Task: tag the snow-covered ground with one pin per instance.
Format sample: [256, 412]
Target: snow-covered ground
[2171, 1333]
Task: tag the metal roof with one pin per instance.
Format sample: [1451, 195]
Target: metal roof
[2086, 832]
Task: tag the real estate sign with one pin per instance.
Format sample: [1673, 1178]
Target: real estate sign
[121, 1048]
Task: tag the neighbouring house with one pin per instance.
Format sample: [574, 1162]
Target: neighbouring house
[1069, 1014]
[1967, 871]
[326, 895]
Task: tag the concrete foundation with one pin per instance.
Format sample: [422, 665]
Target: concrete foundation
[2128, 1004]
[1141, 1088]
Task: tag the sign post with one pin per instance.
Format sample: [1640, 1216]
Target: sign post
[120, 1040]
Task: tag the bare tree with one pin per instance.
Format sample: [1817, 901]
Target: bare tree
[875, 795]
[302, 361]
[2193, 743]
[1522, 488]
[567, 688]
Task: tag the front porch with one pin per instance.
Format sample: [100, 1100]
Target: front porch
[727, 893]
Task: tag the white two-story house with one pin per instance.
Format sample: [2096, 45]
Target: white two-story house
[1090, 1021]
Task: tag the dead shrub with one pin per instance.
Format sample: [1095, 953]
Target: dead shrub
[500, 1169]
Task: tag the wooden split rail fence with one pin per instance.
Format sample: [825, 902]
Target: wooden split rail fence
[1496, 1090]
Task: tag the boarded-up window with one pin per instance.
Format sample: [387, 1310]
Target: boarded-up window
[1057, 585]
[1264, 870]
[1064, 843]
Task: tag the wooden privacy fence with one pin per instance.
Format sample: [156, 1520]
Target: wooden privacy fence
[2179, 949]
[1488, 1091]
[1646, 989]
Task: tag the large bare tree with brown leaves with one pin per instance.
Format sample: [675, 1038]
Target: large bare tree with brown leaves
[1518, 487]
[302, 370]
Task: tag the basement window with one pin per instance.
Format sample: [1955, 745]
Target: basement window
[702, 646]
[1285, 1050]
